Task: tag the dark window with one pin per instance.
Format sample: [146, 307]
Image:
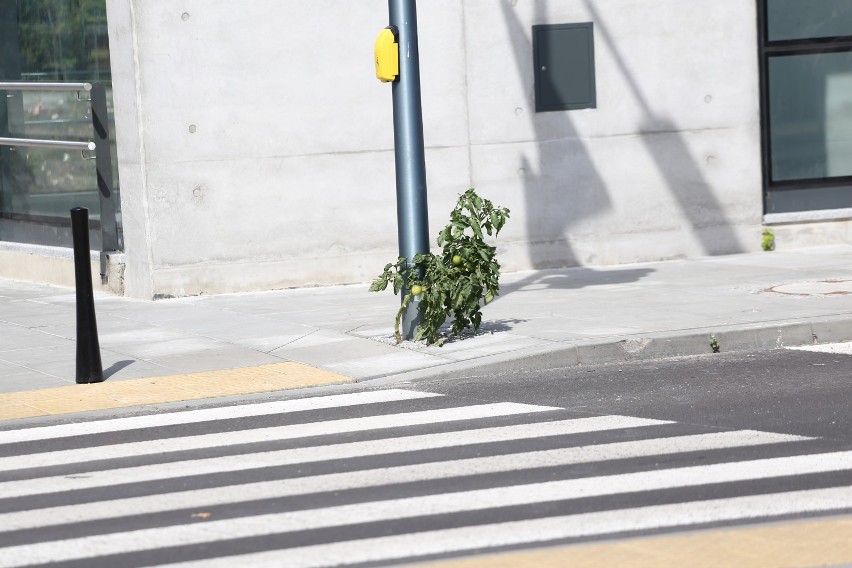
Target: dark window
[807, 19]
[564, 63]
[806, 96]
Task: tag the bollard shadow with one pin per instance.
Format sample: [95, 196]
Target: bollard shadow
[117, 367]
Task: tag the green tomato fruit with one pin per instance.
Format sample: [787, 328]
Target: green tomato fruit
[457, 260]
[417, 289]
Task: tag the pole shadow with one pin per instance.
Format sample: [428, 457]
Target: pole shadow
[577, 278]
[665, 143]
[562, 186]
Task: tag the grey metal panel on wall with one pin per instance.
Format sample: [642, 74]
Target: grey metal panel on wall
[564, 67]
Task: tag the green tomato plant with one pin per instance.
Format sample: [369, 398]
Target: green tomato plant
[459, 281]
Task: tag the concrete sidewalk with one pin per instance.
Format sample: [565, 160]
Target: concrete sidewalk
[575, 316]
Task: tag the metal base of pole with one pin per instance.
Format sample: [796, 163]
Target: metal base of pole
[412, 317]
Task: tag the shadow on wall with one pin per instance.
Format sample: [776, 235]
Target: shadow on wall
[565, 187]
[677, 165]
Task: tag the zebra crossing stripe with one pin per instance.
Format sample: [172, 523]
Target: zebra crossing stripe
[407, 474]
[524, 494]
[118, 476]
[276, 433]
[412, 545]
[209, 414]
[837, 348]
[339, 516]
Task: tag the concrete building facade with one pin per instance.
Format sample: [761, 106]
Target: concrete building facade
[255, 145]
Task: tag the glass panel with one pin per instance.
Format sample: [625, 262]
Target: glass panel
[55, 41]
[810, 115]
[43, 181]
[802, 19]
[810, 199]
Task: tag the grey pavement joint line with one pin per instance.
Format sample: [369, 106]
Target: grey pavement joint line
[117, 348]
[289, 343]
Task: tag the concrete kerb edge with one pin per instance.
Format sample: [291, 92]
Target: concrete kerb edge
[752, 337]
[730, 339]
[453, 367]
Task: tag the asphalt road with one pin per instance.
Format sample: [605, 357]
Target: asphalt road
[513, 458]
[792, 391]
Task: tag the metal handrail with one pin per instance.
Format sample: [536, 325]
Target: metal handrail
[23, 86]
[56, 144]
[102, 157]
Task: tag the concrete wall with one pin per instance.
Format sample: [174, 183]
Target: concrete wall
[55, 265]
[256, 146]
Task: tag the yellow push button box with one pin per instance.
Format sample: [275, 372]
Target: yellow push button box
[387, 56]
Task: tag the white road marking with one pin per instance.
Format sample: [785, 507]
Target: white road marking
[118, 476]
[208, 415]
[276, 433]
[838, 348]
[407, 508]
[387, 476]
[538, 530]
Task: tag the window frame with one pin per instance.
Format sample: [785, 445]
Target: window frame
[779, 48]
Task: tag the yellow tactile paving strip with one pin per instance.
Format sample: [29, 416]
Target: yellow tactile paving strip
[158, 390]
[800, 544]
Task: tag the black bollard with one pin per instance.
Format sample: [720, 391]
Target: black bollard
[89, 367]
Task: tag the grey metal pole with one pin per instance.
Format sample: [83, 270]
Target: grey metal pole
[103, 167]
[411, 205]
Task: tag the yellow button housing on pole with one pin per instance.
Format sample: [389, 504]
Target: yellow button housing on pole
[387, 56]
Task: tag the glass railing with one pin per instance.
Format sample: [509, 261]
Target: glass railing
[47, 173]
[51, 41]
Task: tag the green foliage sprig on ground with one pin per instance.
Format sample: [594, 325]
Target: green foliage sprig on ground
[459, 281]
[768, 241]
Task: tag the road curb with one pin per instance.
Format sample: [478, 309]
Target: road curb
[730, 339]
